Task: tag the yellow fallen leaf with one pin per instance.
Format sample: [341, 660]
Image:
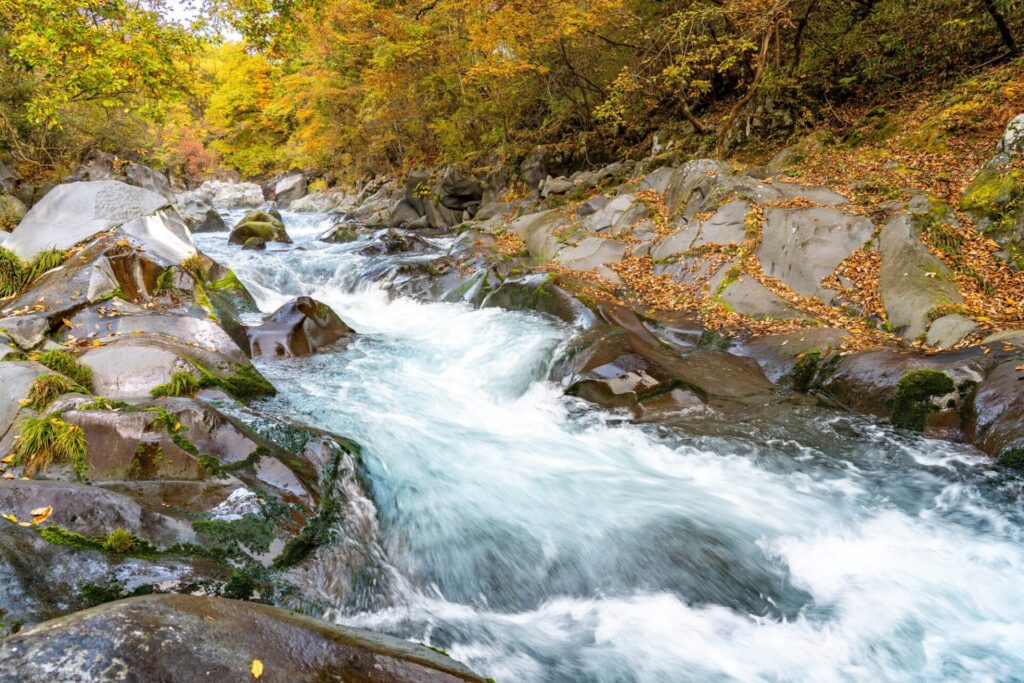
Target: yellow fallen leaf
[1019, 368]
[11, 518]
[97, 342]
[7, 459]
[24, 524]
[40, 515]
[67, 322]
[257, 668]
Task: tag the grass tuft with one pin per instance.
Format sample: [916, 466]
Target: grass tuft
[48, 387]
[181, 384]
[44, 440]
[66, 364]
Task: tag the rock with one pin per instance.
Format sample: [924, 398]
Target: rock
[494, 210]
[459, 193]
[996, 200]
[658, 181]
[748, 297]
[341, 233]
[403, 214]
[99, 165]
[950, 330]
[129, 368]
[868, 382]
[91, 511]
[254, 244]
[801, 247]
[262, 224]
[40, 580]
[290, 188]
[96, 165]
[998, 410]
[591, 253]
[323, 201]
[299, 328]
[201, 217]
[539, 231]
[186, 638]
[12, 210]
[8, 177]
[555, 186]
[16, 379]
[75, 212]
[27, 331]
[1012, 142]
[912, 282]
[618, 215]
[394, 241]
[148, 179]
[224, 195]
[782, 355]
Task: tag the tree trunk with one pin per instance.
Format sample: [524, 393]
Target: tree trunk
[1004, 30]
[762, 63]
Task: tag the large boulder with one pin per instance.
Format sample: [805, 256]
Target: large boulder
[802, 246]
[185, 638]
[913, 283]
[200, 216]
[289, 188]
[301, 327]
[99, 165]
[74, 212]
[265, 225]
[460, 193]
[542, 232]
[999, 410]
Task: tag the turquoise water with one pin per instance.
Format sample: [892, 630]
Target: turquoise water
[538, 539]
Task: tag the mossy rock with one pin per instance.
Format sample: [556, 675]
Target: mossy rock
[264, 225]
[914, 400]
[996, 199]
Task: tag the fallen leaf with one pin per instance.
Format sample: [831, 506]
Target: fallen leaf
[67, 322]
[40, 515]
[257, 668]
[8, 459]
[8, 475]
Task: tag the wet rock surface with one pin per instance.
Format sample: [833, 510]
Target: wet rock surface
[188, 638]
[299, 328]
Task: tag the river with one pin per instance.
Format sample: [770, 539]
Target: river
[536, 538]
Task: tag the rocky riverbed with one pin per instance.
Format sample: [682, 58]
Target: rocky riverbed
[414, 408]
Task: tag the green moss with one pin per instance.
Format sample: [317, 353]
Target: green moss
[993, 192]
[43, 440]
[100, 403]
[1012, 458]
[60, 536]
[806, 370]
[63, 362]
[181, 384]
[91, 595]
[245, 385]
[165, 282]
[251, 532]
[240, 586]
[913, 402]
[229, 281]
[121, 542]
[317, 531]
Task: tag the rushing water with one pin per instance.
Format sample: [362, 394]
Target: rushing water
[538, 539]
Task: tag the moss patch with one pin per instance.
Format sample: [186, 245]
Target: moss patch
[1012, 458]
[913, 401]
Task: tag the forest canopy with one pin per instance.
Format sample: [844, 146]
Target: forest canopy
[385, 84]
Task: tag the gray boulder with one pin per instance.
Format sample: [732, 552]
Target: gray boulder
[749, 297]
[73, 212]
[8, 177]
[201, 216]
[1012, 142]
[801, 247]
[591, 253]
[148, 179]
[186, 638]
[290, 188]
[99, 165]
[556, 186]
[265, 225]
[540, 232]
[950, 330]
[913, 283]
[299, 328]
